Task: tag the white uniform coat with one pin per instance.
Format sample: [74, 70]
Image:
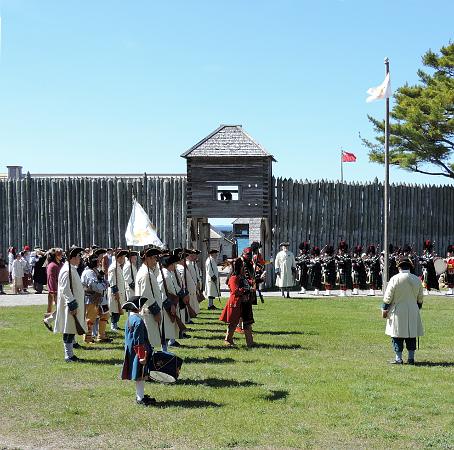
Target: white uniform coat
[116, 278]
[64, 321]
[212, 288]
[17, 269]
[171, 329]
[284, 261]
[191, 284]
[147, 286]
[403, 292]
[129, 277]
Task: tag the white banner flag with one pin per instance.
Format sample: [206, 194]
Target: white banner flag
[140, 231]
[382, 91]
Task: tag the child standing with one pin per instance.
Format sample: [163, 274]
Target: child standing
[137, 349]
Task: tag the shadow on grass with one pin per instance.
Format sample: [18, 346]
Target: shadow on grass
[211, 330]
[260, 345]
[217, 383]
[99, 348]
[108, 362]
[188, 404]
[435, 363]
[218, 337]
[278, 333]
[209, 360]
[272, 396]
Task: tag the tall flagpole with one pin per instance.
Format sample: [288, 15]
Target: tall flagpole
[342, 166]
[386, 193]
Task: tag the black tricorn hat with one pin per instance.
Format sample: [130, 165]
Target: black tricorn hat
[135, 302]
[99, 251]
[213, 250]
[133, 253]
[74, 251]
[168, 260]
[121, 252]
[150, 252]
[195, 251]
[284, 244]
[179, 252]
[404, 260]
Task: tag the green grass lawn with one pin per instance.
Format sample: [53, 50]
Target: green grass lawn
[318, 378]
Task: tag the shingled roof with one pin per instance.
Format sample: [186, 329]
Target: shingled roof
[227, 140]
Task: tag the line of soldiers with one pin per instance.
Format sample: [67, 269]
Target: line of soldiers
[319, 269]
[93, 286]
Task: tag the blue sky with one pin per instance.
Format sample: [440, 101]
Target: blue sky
[127, 86]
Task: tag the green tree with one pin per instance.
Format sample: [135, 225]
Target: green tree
[422, 121]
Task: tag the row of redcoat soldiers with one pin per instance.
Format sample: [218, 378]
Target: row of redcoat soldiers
[324, 268]
[91, 292]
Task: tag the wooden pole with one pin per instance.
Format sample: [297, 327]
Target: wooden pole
[386, 193]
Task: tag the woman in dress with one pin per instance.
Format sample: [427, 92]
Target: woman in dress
[238, 305]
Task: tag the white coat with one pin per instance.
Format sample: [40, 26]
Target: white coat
[147, 286]
[403, 292]
[130, 277]
[212, 288]
[191, 281]
[284, 262]
[171, 329]
[17, 269]
[116, 278]
[64, 321]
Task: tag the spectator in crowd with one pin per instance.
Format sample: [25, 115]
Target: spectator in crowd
[4, 275]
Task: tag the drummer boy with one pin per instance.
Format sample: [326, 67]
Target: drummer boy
[137, 349]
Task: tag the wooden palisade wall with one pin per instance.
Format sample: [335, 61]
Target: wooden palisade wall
[84, 211]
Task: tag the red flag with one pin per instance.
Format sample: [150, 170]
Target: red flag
[348, 157]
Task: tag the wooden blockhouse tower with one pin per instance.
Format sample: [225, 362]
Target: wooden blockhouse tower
[228, 175]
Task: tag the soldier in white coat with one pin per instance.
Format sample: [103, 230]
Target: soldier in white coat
[130, 273]
[70, 314]
[401, 304]
[117, 288]
[212, 285]
[285, 268]
[169, 290]
[191, 279]
[147, 286]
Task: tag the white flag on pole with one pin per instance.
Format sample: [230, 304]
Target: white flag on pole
[382, 91]
[140, 231]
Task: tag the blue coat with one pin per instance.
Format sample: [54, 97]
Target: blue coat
[135, 334]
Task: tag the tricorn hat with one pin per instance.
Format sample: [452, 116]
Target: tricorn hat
[213, 250]
[168, 260]
[150, 252]
[121, 252]
[284, 244]
[135, 302]
[133, 253]
[404, 260]
[99, 251]
[74, 251]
